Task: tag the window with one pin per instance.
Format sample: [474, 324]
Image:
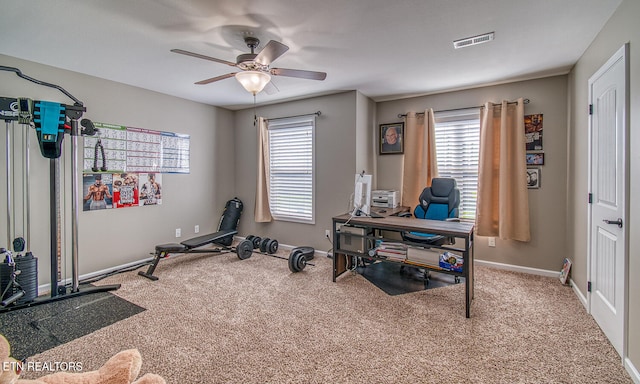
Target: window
[458, 148]
[291, 169]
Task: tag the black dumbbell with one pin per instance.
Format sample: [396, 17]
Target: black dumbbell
[272, 246]
[263, 244]
[255, 240]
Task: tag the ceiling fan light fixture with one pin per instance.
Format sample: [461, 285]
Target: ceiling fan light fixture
[253, 81]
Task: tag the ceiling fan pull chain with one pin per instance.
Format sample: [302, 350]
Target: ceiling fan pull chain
[255, 116]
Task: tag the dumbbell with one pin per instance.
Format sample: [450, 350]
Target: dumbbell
[255, 240]
[269, 246]
[265, 245]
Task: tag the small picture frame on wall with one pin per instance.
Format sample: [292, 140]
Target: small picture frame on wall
[392, 139]
[536, 158]
[533, 178]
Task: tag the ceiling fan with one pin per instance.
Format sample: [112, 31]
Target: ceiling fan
[255, 72]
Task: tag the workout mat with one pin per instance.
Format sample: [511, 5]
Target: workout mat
[36, 329]
[387, 277]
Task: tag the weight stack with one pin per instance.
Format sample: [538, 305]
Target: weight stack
[28, 277]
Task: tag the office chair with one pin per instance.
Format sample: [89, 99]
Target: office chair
[438, 202]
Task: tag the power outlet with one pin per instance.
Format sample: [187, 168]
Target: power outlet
[492, 241]
[196, 229]
[327, 233]
[178, 232]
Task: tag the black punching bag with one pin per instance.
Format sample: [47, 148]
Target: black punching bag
[230, 219]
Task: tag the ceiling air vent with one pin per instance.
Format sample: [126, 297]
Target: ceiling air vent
[475, 40]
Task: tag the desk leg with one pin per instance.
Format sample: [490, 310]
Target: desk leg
[339, 265]
[339, 259]
[469, 276]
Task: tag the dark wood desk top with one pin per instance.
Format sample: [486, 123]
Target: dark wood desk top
[397, 223]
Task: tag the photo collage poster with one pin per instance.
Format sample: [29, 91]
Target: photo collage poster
[533, 132]
[121, 190]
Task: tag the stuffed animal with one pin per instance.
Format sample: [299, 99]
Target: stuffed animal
[122, 368]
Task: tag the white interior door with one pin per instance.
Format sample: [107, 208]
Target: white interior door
[607, 89]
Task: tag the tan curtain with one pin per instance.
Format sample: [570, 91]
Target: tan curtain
[420, 163]
[503, 200]
[262, 211]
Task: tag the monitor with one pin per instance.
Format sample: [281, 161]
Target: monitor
[362, 194]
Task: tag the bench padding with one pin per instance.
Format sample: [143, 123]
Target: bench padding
[171, 247]
[207, 239]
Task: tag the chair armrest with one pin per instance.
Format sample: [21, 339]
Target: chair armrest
[455, 219]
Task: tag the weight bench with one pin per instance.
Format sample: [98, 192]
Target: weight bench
[224, 237]
[189, 246]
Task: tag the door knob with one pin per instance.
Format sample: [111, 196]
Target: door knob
[618, 222]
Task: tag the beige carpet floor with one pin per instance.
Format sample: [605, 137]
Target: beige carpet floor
[218, 319]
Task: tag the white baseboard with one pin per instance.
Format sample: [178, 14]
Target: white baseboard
[581, 297]
[516, 268]
[632, 371]
[46, 288]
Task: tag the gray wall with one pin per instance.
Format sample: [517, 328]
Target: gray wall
[335, 145]
[621, 28]
[547, 205]
[366, 148]
[118, 236]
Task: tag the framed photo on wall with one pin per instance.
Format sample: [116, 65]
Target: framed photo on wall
[533, 177]
[391, 138]
[535, 158]
[533, 132]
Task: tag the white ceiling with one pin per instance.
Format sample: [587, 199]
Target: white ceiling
[385, 49]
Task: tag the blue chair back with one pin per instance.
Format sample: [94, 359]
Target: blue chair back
[440, 201]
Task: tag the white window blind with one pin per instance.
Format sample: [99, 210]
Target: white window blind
[291, 169]
[458, 148]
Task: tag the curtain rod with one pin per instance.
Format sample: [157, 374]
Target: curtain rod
[400, 115]
[287, 117]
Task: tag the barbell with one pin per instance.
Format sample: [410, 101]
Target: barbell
[298, 258]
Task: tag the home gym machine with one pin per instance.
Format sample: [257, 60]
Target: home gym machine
[52, 121]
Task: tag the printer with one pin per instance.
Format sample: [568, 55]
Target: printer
[385, 199]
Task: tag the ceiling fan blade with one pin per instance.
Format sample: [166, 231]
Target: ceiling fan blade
[211, 80]
[271, 88]
[298, 73]
[270, 52]
[199, 56]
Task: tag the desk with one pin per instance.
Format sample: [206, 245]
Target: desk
[373, 226]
